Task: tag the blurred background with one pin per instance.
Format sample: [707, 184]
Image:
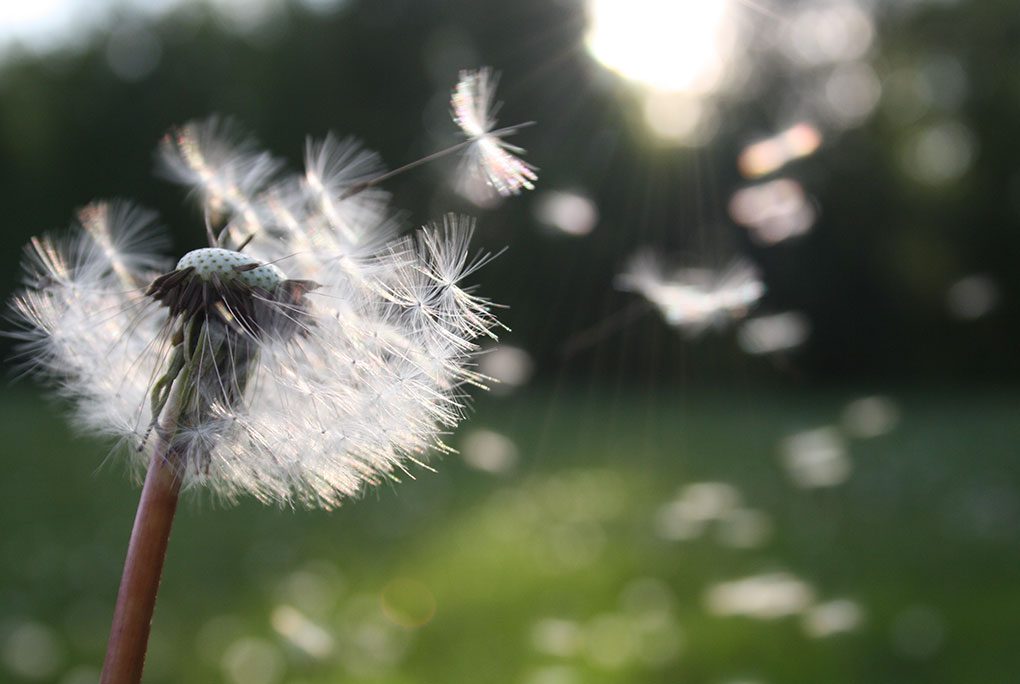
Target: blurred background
[816, 484]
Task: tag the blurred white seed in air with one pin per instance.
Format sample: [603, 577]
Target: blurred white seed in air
[511, 367]
[815, 458]
[710, 500]
[302, 632]
[744, 528]
[695, 505]
[568, 212]
[488, 451]
[773, 333]
[832, 617]
[870, 417]
[675, 521]
[693, 300]
[489, 155]
[765, 597]
[774, 211]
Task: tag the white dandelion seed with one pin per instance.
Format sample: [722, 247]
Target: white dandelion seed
[332, 167]
[489, 156]
[323, 357]
[225, 168]
[693, 299]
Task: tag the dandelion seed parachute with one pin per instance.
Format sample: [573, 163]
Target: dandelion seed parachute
[325, 356]
[693, 299]
[474, 110]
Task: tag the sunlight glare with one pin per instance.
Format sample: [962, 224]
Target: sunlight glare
[667, 45]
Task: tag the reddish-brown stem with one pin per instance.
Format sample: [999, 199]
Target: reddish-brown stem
[129, 636]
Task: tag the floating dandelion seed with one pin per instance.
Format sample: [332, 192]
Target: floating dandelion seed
[304, 354]
[832, 617]
[764, 597]
[693, 299]
[774, 333]
[488, 154]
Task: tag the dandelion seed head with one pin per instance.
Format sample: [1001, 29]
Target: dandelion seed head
[306, 354]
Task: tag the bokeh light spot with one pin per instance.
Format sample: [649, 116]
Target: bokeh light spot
[972, 297]
[765, 597]
[774, 333]
[511, 367]
[773, 211]
[771, 154]
[488, 451]
[869, 417]
[253, 661]
[829, 32]
[568, 212]
[556, 637]
[408, 603]
[32, 651]
[816, 458]
[296, 628]
[133, 52]
[744, 528]
[832, 617]
[939, 154]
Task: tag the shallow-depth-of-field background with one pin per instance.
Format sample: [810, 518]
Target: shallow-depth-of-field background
[635, 503]
[574, 565]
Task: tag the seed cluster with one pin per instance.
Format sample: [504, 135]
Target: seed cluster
[259, 387]
[227, 264]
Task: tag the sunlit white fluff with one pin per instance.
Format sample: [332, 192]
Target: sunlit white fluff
[225, 168]
[349, 370]
[333, 168]
[489, 155]
[693, 299]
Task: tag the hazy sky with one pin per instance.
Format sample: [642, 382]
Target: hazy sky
[41, 25]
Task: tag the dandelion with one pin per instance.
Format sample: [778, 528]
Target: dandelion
[488, 155]
[305, 354]
[693, 299]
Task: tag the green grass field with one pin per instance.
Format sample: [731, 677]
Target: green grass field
[579, 564]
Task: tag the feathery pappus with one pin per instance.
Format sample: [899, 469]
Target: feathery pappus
[693, 299]
[489, 156]
[307, 352]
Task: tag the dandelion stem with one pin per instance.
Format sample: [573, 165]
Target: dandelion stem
[143, 567]
[129, 636]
